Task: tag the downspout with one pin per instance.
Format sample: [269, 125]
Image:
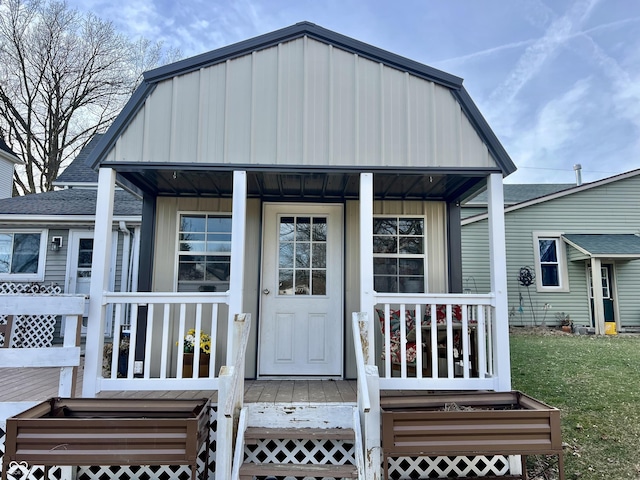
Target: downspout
[126, 249]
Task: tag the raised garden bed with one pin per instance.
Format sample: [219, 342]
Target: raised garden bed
[63, 431]
[469, 424]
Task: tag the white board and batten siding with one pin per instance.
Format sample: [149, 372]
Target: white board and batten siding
[302, 102]
[613, 208]
[436, 244]
[166, 223]
[165, 260]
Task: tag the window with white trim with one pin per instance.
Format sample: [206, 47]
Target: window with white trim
[22, 255]
[204, 252]
[399, 258]
[551, 265]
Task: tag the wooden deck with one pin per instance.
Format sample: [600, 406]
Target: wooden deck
[37, 384]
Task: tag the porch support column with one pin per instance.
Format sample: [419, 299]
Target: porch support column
[367, 298]
[498, 265]
[236, 277]
[598, 301]
[99, 280]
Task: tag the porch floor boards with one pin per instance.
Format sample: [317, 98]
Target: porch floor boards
[37, 384]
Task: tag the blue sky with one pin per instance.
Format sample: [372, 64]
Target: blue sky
[557, 80]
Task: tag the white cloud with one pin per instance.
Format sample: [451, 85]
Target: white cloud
[541, 50]
[553, 129]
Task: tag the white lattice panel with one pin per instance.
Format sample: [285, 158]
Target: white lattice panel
[409, 468]
[315, 451]
[8, 288]
[30, 331]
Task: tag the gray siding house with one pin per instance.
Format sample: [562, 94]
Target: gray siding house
[8, 161]
[46, 239]
[581, 242]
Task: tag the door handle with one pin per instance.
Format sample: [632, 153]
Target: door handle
[266, 291]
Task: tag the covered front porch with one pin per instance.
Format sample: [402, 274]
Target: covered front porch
[389, 342]
[455, 341]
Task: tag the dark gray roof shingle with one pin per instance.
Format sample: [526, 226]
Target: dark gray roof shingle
[607, 244]
[522, 192]
[73, 201]
[78, 171]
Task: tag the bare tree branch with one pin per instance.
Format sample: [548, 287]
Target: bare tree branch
[64, 76]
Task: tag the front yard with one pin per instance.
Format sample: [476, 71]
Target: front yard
[595, 382]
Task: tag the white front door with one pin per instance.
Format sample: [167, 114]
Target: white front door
[301, 319]
[79, 271]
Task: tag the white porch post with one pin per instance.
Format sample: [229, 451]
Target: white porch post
[99, 281]
[366, 257]
[498, 263]
[598, 301]
[236, 278]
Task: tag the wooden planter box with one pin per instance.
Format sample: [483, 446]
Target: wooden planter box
[63, 431]
[488, 423]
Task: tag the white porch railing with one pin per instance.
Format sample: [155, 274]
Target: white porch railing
[67, 357]
[436, 341]
[168, 316]
[231, 399]
[368, 396]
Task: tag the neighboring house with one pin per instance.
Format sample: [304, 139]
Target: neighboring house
[47, 238]
[572, 237]
[8, 161]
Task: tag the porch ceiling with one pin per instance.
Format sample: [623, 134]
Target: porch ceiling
[325, 185]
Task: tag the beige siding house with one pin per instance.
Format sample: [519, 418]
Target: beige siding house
[302, 177]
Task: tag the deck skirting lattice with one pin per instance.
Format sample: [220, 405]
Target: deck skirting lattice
[316, 451]
[406, 468]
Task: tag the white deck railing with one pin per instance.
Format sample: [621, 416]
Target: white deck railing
[368, 396]
[169, 316]
[455, 355]
[67, 357]
[231, 399]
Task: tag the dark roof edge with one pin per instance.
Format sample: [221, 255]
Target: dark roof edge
[484, 130]
[8, 154]
[121, 122]
[127, 167]
[296, 31]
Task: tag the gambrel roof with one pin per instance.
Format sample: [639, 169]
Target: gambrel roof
[300, 98]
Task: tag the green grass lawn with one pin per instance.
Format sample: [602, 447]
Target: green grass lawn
[595, 382]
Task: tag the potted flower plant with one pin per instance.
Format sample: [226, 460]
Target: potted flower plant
[566, 324]
[189, 345]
